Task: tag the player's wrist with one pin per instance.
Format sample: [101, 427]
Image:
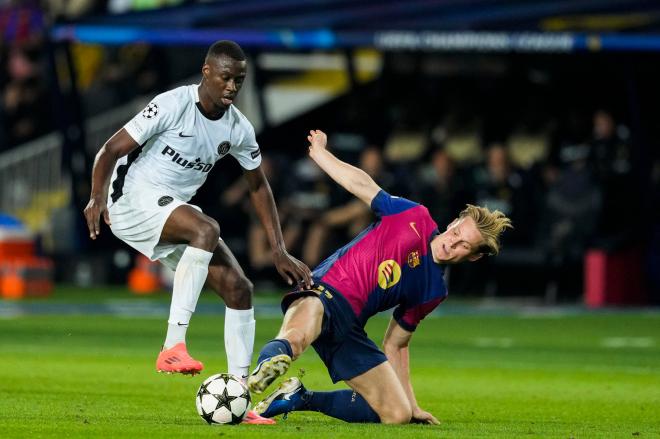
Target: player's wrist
[279, 251]
[98, 198]
[316, 151]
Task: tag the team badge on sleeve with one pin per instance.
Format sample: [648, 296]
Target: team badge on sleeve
[150, 111]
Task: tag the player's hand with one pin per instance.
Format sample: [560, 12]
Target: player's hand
[95, 208]
[317, 141]
[423, 417]
[292, 270]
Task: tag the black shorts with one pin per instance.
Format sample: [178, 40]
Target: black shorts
[343, 344]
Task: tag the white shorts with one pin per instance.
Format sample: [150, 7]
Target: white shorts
[138, 218]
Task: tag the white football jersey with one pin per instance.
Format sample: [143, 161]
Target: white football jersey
[180, 145]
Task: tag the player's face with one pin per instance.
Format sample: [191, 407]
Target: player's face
[223, 78]
[458, 243]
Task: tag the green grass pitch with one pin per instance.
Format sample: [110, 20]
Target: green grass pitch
[565, 375]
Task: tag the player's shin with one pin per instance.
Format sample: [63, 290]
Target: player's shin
[346, 405]
[189, 279]
[275, 347]
[239, 340]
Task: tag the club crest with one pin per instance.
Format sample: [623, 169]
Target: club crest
[164, 201]
[223, 148]
[413, 259]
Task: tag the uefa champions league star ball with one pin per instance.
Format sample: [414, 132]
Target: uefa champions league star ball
[222, 399]
[150, 111]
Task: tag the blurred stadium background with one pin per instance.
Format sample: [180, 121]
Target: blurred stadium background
[545, 110]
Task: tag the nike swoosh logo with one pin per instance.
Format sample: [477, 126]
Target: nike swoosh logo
[184, 135]
[181, 324]
[414, 227]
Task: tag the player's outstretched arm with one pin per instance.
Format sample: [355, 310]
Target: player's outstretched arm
[395, 346]
[120, 144]
[353, 179]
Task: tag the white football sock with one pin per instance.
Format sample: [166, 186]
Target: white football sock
[175, 334]
[189, 279]
[239, 340]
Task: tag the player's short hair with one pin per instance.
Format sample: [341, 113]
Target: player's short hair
[227, 48]
[490, 225]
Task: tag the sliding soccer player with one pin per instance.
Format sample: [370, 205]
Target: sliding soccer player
[396, 262]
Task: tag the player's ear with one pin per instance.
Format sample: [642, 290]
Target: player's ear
[206, 70]
[475, 257]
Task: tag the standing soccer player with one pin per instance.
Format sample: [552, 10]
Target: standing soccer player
[153, 166]
[396, 262]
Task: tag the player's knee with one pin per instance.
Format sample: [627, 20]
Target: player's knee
[300, 337]
[239, 293]
[208, 233]
[397, 414]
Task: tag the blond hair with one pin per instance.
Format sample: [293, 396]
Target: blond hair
[490, 225]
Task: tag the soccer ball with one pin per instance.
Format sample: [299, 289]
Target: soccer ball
[222, 399]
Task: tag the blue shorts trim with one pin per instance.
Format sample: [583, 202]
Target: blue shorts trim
[343, 344]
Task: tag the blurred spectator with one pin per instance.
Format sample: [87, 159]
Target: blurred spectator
[610, 159]
[24, 99]
[610, 152]
[571, 210]
[441, 187]
[500, 185]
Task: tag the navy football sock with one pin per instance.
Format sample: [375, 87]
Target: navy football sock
[274, 347]
[341, 404]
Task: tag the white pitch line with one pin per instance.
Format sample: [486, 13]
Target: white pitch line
[627, 342]
[489, 342]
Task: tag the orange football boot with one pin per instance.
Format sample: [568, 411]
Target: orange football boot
[254, 418]
[177, 360]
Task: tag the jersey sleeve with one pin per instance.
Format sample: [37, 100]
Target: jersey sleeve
[409, 318]
[247, 151]
[385, 204]
[156, 118]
